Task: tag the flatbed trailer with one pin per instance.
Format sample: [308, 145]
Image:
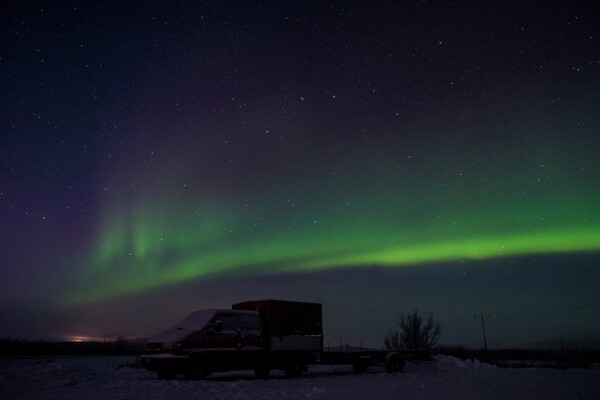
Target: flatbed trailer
[361, 359]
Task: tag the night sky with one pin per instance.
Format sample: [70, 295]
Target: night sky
[377, 157]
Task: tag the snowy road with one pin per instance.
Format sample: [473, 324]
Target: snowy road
[444, 378]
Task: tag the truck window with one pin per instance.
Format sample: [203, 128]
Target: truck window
[233, 322]
[249, 323]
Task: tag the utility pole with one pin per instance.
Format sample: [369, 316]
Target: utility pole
[483, 328]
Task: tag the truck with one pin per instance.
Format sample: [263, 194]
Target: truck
[259, 335]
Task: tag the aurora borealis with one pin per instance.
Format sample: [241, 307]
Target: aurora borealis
[200, 153]
[348, 221]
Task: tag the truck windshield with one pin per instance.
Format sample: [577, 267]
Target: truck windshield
[196, 320]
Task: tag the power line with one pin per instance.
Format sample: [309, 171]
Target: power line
[553, 308]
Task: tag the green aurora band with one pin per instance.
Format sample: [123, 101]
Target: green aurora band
[363, 217]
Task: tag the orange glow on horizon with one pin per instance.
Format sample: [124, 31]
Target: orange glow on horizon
[83, 338]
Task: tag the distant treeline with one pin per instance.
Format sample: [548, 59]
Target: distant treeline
[561, 358]
[41, 348]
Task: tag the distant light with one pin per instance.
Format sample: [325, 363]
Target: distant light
[81, 338]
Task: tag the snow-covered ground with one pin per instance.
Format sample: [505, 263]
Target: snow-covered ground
[444, 378]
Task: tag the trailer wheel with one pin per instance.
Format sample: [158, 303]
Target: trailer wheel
[360, 367]
[196, 369]
[294, 368]
[394, 363]
[166, 374]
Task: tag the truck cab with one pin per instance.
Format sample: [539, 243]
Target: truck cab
[255, 335]
[217, 340]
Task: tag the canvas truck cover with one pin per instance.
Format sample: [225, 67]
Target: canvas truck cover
[286, 318]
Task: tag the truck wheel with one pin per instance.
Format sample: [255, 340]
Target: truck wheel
[394, 363]
[197, 369]
[360, 367]
[294, 368]
[165, 374]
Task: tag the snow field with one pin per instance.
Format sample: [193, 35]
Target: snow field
[444, 378]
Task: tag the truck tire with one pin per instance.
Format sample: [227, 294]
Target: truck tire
[394, 362]
[166, 374]
[196, 369]
[294, 368]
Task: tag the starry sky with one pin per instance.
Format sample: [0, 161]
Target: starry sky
[378, 157]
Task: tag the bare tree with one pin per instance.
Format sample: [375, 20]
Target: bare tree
[413, 332]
